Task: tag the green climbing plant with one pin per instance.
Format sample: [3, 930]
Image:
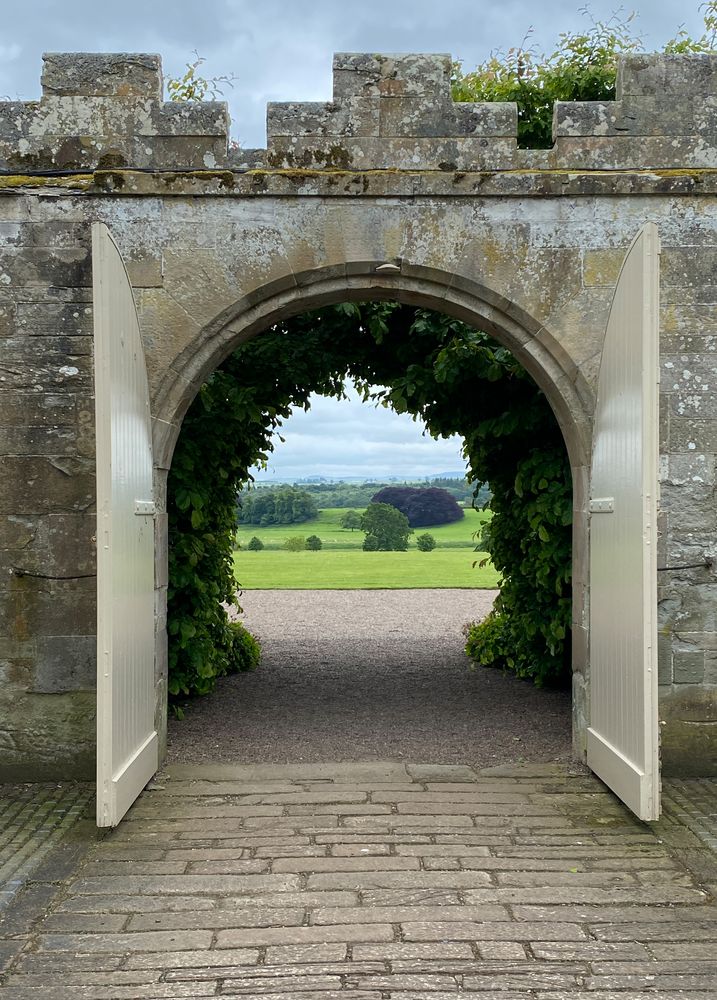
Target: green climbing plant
[581, 67]
[456, 380]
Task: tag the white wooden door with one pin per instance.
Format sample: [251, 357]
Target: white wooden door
[127, 746]
[623, 736]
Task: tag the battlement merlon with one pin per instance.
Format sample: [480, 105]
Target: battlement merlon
[107, 110]
[389, 112]
[97, 74]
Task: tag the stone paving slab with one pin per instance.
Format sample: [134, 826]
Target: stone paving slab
[34, 819]
[560, 894]
[693, 803]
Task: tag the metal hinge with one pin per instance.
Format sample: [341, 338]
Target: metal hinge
[602, 505]
[145, 508]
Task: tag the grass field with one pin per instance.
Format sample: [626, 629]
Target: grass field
[342, 564]
[333, 536]
[352, 569]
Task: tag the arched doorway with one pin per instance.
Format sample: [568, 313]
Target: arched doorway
[539, 353]
[630, 447]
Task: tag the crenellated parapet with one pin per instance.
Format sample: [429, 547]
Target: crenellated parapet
[664, 116]
[392, 112]
[388, 113]
[107, 111]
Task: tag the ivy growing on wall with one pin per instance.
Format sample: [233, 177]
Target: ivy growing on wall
[454, 378]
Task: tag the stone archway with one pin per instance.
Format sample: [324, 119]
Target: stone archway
[526, 243]
[478, 306]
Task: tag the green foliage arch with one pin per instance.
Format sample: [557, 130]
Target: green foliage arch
[455, 379]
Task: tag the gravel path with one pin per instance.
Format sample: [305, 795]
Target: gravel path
[371, 675]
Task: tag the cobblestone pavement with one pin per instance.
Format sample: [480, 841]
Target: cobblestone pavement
[33, 820]
[693, 803]
[377, 882]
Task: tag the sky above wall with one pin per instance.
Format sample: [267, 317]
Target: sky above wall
[280, 50]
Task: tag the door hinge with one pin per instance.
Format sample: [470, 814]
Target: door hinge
[602, 505]
[145, 508]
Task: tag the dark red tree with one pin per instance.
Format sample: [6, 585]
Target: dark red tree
[422, 505]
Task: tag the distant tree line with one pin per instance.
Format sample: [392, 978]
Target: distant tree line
[285, 505]
[350, 495]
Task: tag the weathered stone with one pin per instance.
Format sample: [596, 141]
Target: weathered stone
[524, 243]
[65, 663]
[666, 76]
[689, 667]
[92, 74]
[359, 74]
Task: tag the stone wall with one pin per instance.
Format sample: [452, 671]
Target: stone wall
[526, 243]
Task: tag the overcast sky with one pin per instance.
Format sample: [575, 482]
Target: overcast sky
[351, 438]
[280, 50]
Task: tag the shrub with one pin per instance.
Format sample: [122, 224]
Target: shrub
[487, 642]
[255, 544]
[425, 542]
[295, 544]
[245, 650]
[370, 543]
[313, 543]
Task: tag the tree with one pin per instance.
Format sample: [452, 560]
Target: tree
[350, 520]
[285, 505]
[295, 543]
[582, 67]
[387, 527]
[313, 543]
[255, 544]
[425, 542]
[422, 505]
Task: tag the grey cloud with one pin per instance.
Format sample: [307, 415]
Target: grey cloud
[351, 438]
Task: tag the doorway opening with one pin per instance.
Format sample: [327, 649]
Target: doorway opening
[457, 380]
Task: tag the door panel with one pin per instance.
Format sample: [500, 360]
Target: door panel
[623, 736]
[127, 745]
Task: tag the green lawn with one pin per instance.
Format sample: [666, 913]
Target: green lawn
[333, 536]
[353, 569]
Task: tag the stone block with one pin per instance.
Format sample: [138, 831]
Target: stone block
[43, 267]
[688, 266]
[485, 118]
[145, 272]
[65, 663]
[643, 116]
[177, 118]
[689, 666]
[664, 76]
[359, 74]
[664, 658]
[71, 544]
[46, 485]
[353, 116]
[8, 319]
[417, 154]
[633, 152]
[95, 74]
[37, 409]
[711, 667]
[601, 267]
[50, 318]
